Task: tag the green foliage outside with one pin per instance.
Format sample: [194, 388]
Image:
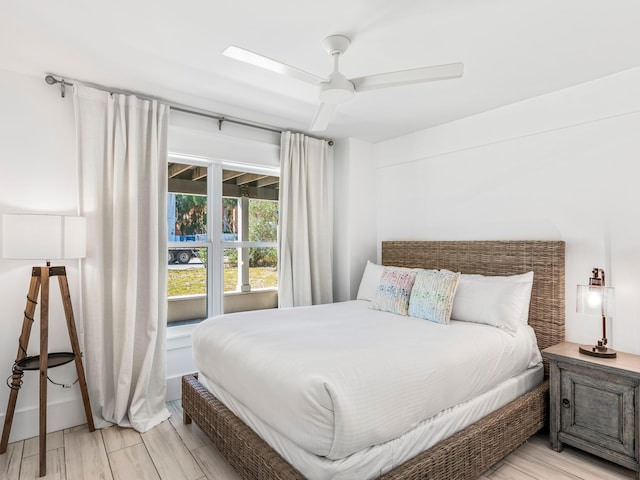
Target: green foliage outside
[191, 219]
[229, 220]
[263, 227]
[193, 281]
[191, 214]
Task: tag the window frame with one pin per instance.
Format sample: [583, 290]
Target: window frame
[214, 242]
[214, 190]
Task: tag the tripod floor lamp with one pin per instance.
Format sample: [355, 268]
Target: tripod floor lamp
[43, 237]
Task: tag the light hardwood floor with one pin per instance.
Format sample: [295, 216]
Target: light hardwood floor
[174, 451]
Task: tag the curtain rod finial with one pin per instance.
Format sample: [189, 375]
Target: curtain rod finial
[51, 80]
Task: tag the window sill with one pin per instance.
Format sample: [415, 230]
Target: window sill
[255, 290]
[179, 336]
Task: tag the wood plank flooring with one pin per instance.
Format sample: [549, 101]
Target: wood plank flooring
[175, 451]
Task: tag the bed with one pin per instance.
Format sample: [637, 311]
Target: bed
[467, 453]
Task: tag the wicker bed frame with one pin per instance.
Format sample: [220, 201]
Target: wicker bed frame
[466, 454]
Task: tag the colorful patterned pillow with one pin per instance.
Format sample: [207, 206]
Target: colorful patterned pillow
[394, 291]
[432, 295]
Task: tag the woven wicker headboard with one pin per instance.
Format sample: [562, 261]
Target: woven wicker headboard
[545, 258]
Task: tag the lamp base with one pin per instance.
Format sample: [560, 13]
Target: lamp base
[598, 351]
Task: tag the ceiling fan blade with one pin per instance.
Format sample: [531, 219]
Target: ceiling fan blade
[407, 77]
[261, 61]
[322, 116]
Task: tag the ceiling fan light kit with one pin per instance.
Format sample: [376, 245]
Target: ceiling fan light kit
[337, 89]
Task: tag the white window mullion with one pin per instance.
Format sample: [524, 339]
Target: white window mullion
[243, 260]
[215, 259]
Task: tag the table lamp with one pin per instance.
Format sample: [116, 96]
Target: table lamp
[596, 299]
[44, 237]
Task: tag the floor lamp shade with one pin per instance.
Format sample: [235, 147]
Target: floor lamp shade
[43, 237]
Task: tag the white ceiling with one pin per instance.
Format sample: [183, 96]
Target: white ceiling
[512, 50]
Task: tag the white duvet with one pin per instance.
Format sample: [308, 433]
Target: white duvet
[335, 379]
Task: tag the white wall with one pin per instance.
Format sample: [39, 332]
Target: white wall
[560, 166]
[37, 175]
[354, 215]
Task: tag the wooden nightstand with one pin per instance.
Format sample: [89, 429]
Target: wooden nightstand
[594, 404]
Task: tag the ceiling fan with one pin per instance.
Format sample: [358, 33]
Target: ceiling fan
[337, 89]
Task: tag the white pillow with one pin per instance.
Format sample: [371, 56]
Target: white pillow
[370, 281]
[535, 357]
[499, 301]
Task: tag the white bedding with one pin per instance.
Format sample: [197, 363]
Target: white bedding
[385, 374]
[379, 459]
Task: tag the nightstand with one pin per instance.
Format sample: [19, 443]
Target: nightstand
[594, 404]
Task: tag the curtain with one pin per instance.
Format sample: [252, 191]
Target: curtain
[122, 152]
[305, 234]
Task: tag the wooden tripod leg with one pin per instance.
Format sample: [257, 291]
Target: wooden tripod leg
[44, 365]
[23, 343]
[75, 345]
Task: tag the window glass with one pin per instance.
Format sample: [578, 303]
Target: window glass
[250, 231]
[263, 267]
[188, 249]
[231, 269]
[198, 278]
[263, 220]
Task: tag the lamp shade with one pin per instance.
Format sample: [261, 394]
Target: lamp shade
[595, 300]
[43, 237]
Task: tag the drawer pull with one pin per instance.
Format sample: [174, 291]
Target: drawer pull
[566, 403]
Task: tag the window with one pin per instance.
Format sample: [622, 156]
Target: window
[231, 269]
[190, 282]
[250, 229]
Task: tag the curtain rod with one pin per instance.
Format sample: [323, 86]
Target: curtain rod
[51, 80]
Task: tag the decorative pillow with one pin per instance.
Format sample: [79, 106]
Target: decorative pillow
[432, 295]
[394, 290]
[499, 301]
[370, 281]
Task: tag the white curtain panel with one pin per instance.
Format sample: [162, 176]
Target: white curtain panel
[305, 234]
[122, 150]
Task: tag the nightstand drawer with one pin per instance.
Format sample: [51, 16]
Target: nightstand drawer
[598, 409]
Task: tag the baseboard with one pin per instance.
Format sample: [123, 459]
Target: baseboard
[60, 415]
[66, 414]
[174, 388]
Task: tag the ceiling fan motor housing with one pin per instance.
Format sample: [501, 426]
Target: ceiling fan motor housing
[337, 90]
